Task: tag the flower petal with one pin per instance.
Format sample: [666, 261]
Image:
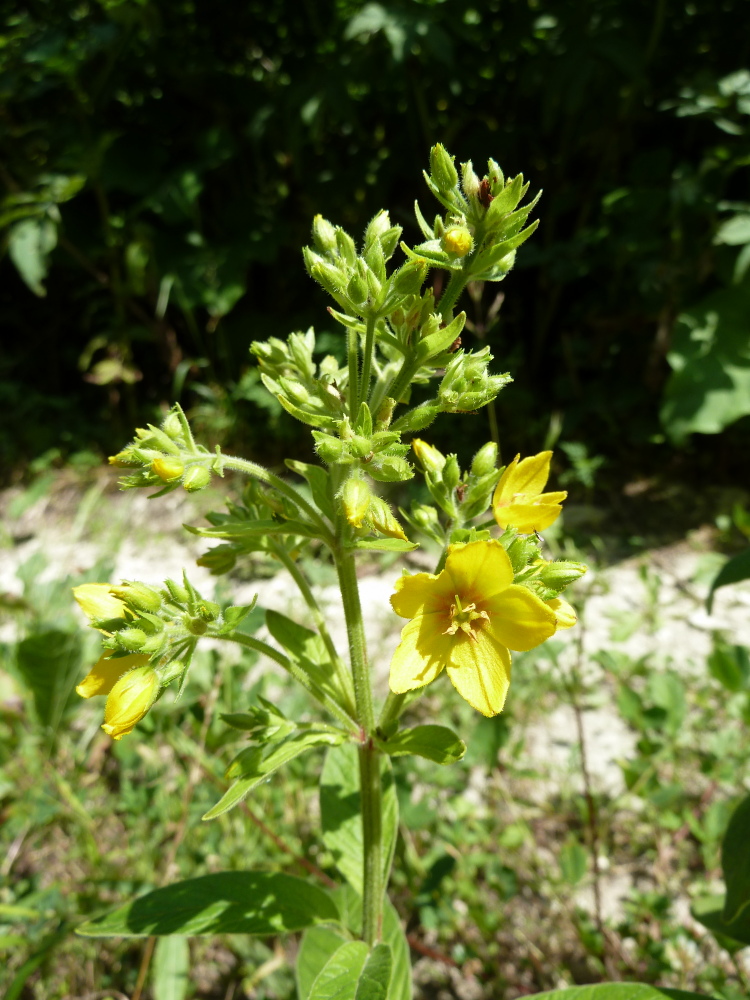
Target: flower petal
[479, 570]
[96, 601]
[421, 655]
[527, 477]
[565, 615]
[422, 593]
[480, 671]
[527, 518]
[106, 672]
[519, 619]
[129, 700]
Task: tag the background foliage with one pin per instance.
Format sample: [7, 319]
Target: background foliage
[162, 162]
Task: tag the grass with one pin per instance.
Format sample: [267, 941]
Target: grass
[515, 871]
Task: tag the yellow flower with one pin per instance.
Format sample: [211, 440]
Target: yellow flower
[129, 700]
[565, 615]
[106, 672]
[466, 619]
[97, 601]
[519, 502]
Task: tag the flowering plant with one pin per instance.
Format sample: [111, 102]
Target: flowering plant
[493, 590]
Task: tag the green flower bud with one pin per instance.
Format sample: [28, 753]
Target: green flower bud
[469, 180]
[172, 426]
[196, 626]
[357, 288]
[424, 516]
[390, 469]
[294, 391]
[208, 611]
[442, 170]
[451, 472]
[324, 235]
[329, 448]
[153, 644]
[345, 246]
[431, 460]
[360, 446]
[196, 479]
[520, 551]
[177, 591]
[132, 639]
[138, 595]
[559, 575]
[385, 414]
[410, 277]
[485, 460]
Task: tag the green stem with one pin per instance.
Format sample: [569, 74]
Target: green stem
[258, 472]
[392, 709]
[403, 380]
[364, 388]
[449, 297]
[353, 357]
[296, 672]
[369, 756]
[304, 588]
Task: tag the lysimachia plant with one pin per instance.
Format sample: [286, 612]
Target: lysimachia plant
[493, 590]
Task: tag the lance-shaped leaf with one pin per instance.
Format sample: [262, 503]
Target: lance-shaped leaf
[242, 530]
[735, 862]
[619, 991]
[488, 258]
[440, 341]
[436, 743]
[732, 936]
[319, 482]
[254, 764]
[734, 570]
[224, 903]
[308, 651]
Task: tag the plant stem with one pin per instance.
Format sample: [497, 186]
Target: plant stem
[454, 288]
[392, 709]
[371, 794]
[364, 388]
[353, 357]
[258, 472]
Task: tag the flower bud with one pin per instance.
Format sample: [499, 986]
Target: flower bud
[520, 551]
[138, 595]
[172, 426]
[469, 180]
[323, 234]
[294, 391]
[360, 446]
[384, 521]
[485, 460]
[390, 469]
[196, 479]
[131, 638]
[357, 289]
[169, 470]
[208, 611]
[355, 500]
[431, 460]
[559, 575]
[442, 170]
[458, 240]
[329, 448]
[410, 277]
[385, 414]
[178, 592]
[129, 700]
[345, 246]
[451, 472]
[424, 516]
[123, 459]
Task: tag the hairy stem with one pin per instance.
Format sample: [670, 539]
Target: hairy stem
[364, 388]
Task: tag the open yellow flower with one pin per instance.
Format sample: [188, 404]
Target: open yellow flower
[106, 672]
[96, 601]
[519, 502]
[129, 700]
[466, 619]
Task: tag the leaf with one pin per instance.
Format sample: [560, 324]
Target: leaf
[317, 946]
[233, 616]
[730, 666]
[376, 975]
[573, 861]
[618, 991]
[308, 650]
[338, 979]
[734, 570]
[385, 545]
[250, 767]
[319, 482]
[48, 663]
[436, 743]
[735, 862]
[224, 903]
[341, 817]
[29, 244]
[732, 937]
[171, 968]
[240, 530]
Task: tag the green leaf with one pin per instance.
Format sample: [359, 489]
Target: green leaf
[376, 975]
[735, 862]
[339, 977]
[251, 766]
[241, 530]
[29, 244]
[308, 650]
[317, 946]
[617, 991]
[730, 666]
[734, 570]
[573, 861]
[436, 743]
[319, 482]
[224, 903]
[48, 663]
[385, 545]
[171, 968]
[708, 911]
[341, 812]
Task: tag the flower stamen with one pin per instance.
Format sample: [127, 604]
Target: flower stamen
[462, 618]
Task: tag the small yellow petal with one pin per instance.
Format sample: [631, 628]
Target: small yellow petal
[531, 474]
[96, 601]
[421, 655]
[527, 518]
[565, 615]
[480, 671]
[106, 672]
[519, 619]
[129, 700]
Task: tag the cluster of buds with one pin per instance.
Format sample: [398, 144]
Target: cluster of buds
[365, 511]
[359, 283]
[166, 457]
[370, 445]
[483, 226]
[150, 635]
[311, 393]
